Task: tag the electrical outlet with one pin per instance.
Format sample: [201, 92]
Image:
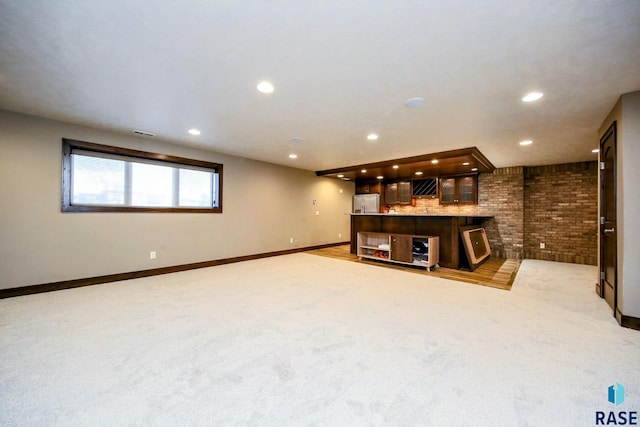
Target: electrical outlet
[317, 213]
[542, 245]
[290, 239]
[339, 235]
[152, 255]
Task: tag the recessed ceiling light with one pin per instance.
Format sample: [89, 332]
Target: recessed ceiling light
[434, 161]
[380, 177]
[414, 102]
[527, 142]
[363, 171]
[346, 179]
[596, 150]
[372, 137]
[396, 166]
[293, 156]
[418, 173]
[194, 131]
[340, 176]
[297, 139]
[265, 87]
[532, 96]
[474, 169]
[466, 164]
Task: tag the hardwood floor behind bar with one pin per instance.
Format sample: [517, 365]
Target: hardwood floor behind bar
[495, 272]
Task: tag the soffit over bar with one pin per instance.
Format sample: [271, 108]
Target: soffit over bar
[449, 163]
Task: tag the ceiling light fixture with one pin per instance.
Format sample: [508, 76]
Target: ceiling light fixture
[380, 177]
[434, 161]
[265, 87]
[418, 173]
[396, 166]
[293, 156]
[474, 169]
[532, 96]
[527, 142]
[595, 150]
[363, 171]
[372, 137]
[414, 102]
[340, 176]
[466, 164]
[194, 131]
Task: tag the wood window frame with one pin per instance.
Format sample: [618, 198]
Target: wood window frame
[68, 146]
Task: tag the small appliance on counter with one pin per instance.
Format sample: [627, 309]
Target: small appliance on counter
[366, 203]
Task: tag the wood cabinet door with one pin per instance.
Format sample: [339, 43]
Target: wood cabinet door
[404, 192]
[466, 189]
[401, 249]
[447, 190]
[459, 190]
[391, 194]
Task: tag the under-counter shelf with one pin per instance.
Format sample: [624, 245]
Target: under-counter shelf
[422, 251]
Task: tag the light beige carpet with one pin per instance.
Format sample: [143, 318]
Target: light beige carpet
[305, 340]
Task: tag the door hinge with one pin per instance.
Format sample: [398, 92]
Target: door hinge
[601, 220]
[602, 166]
[602, 275]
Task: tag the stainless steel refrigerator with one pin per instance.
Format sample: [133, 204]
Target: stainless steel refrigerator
[366, 203]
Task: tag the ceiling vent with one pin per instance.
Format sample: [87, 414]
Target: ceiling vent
[143, 133]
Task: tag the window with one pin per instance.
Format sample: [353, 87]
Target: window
[100, 178]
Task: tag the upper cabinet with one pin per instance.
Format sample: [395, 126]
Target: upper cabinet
[398, 193]
[425, 187]
[369, 187]
[461, 190]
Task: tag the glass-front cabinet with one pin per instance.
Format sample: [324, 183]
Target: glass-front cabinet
[459, 190]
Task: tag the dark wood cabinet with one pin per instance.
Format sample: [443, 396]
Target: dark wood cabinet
[398, 193]
[401, 248]
[369, 187]
[462, 190]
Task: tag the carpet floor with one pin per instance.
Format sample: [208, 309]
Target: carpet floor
[305, 340]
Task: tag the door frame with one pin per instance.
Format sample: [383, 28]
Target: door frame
[611, 131]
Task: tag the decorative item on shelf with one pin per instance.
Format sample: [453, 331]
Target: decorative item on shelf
[381, 254]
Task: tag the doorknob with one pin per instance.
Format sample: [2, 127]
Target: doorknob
[609, 230]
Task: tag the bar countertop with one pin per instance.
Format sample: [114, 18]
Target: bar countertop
[462, 215]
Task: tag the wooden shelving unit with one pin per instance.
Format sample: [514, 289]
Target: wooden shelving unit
[420, 251]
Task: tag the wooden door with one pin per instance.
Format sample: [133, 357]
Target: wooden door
[401, 249]
[608, 232]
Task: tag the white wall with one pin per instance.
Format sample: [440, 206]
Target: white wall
[263, 206]
[627, 114]
[629, 204]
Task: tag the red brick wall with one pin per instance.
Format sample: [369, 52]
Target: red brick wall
[561, 211]
[501, 194]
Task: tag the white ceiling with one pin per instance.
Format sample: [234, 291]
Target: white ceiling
[341, 69]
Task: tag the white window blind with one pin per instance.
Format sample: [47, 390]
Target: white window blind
[104, 179]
